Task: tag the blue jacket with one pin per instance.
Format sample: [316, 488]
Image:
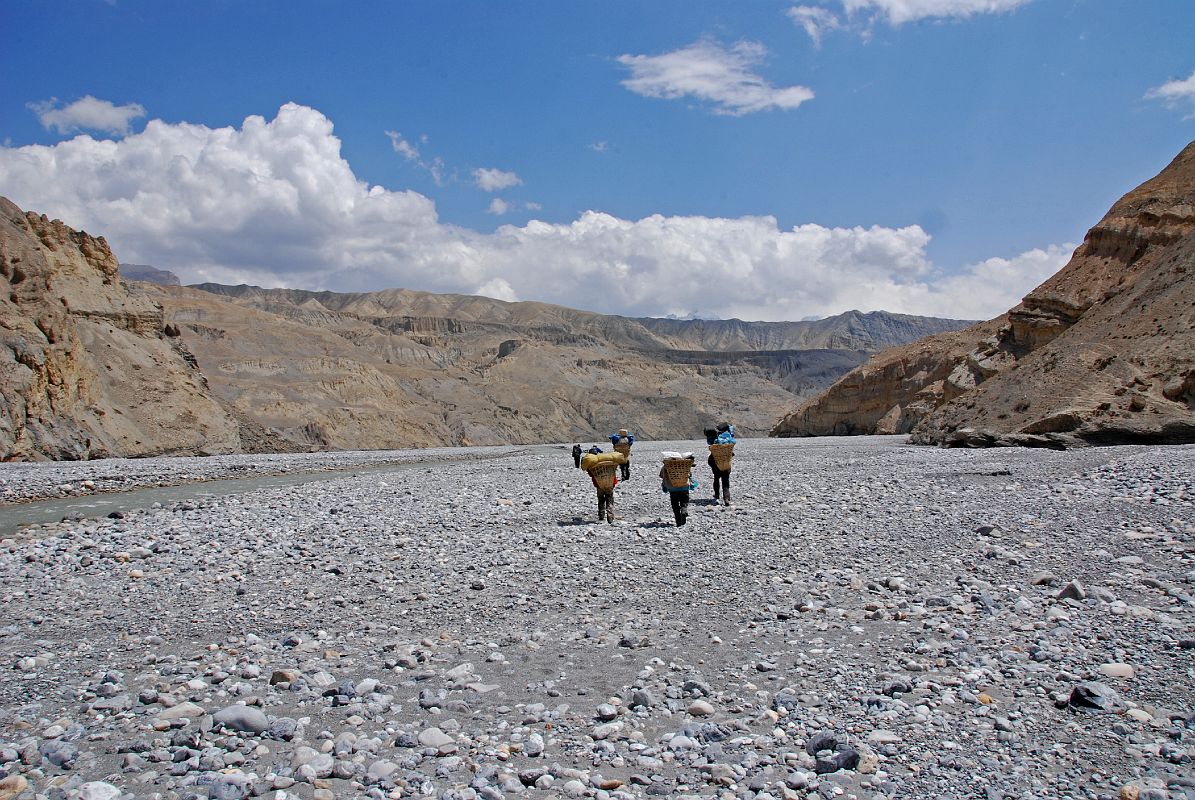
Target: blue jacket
[725, 437]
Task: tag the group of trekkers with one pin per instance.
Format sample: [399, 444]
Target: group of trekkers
[676, 473]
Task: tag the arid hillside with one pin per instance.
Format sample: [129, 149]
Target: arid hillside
[402, 368]
[94, 365]
[1103, 352]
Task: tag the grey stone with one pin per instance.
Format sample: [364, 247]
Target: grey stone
[1095, 696]
[245, 719]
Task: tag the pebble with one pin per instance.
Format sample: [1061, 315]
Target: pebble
[1116, 670]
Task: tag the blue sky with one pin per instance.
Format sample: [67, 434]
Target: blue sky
[759, 160]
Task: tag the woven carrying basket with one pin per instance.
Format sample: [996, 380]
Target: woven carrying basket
[723, 453]
[677, 471]
[624, 448]
[603, 476]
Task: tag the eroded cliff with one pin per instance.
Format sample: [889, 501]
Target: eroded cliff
[86, 370]
[1101, 352]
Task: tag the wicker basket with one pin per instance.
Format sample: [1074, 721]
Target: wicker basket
[676, 471]
[723, 453]
[623, 447]
[603, 475]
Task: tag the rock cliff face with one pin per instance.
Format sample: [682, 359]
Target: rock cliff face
[86, 369]
[892, 391]
[1102, 352]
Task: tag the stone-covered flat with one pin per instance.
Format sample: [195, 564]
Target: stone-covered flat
[868, 620]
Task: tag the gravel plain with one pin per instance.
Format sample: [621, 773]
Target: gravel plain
[869, 619]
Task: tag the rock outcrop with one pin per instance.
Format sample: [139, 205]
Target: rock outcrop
[893, 390]
[1102, 352]
[86, 369]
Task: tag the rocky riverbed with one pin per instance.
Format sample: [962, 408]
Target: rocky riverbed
[867, 620]
[30, 480]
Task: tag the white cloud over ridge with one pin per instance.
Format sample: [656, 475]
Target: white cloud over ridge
[709, 72]
[87, 113]
[1177, 95]
[275, 204]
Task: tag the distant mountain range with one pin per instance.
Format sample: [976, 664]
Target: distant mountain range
[144, 272]
[96, 366]
[1103, 352]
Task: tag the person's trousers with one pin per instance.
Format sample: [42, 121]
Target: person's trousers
[606, 504]
[625, 469]
[722, 484]
[680, 506]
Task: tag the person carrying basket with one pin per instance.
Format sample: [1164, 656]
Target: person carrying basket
[622, 442]
[676, 481]
[602, 469]
[721, 442]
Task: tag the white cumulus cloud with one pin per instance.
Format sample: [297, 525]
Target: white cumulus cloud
[707, 71]
[495, 180]
[88, 113]
[989, 288]
[898, 12]
[1177, 95]
[274, 203]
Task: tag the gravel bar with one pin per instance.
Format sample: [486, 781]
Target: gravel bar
[869, 619]
[31, 480]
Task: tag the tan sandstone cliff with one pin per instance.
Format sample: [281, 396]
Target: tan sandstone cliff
[86, 369]
[1102, 352]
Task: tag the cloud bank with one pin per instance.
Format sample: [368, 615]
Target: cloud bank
[275, 204]
[709, 72]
